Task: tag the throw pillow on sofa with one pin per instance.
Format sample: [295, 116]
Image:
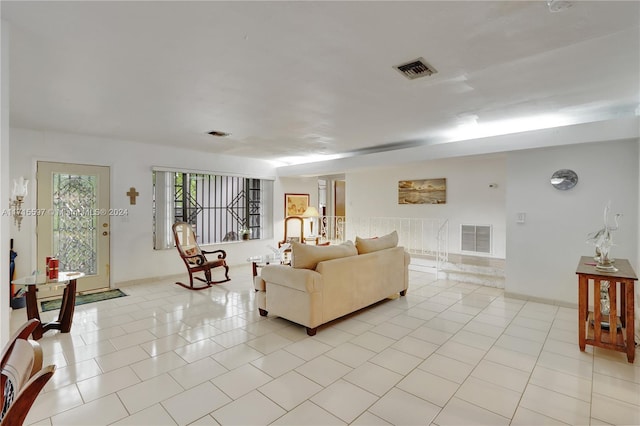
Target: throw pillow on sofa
[305, 256]
[369, 245]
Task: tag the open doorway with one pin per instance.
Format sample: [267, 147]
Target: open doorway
[332, 204]
[339, 189]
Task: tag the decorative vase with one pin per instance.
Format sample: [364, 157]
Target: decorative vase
[604, 263]
[603, 241]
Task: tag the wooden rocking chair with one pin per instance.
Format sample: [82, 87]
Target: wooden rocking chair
[194, 257]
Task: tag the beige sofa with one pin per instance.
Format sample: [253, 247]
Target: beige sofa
[326, 283]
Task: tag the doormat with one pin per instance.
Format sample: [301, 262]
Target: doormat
[81, 299]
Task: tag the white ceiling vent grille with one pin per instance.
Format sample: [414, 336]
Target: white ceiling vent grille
[475, 238]
[416, 69]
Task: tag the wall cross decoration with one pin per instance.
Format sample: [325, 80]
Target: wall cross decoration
[132, 195]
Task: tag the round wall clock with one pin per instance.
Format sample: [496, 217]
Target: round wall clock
[564, 179]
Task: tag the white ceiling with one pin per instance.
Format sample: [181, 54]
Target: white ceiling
[290, 79]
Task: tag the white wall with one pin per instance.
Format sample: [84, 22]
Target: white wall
[470, 200]
[543, 253]
[132, 254]
[5, 192]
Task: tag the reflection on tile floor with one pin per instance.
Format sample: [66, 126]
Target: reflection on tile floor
[447, 353]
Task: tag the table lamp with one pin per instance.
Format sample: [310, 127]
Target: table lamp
[311, 213]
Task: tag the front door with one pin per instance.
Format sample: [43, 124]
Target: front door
[76, 225]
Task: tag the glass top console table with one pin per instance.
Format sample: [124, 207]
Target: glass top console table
[65, 317]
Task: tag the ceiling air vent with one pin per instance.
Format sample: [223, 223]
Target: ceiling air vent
[416, 69]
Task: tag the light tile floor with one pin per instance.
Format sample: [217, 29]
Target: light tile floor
[448, 353]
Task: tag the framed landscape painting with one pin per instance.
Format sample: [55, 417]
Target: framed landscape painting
[295, 204]
[423, 191]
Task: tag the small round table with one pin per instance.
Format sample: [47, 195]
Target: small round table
[65, 317]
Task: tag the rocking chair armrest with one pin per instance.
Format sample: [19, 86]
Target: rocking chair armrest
[199, 259]
[222, 254]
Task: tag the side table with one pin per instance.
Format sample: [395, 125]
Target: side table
[67, 307]
[264, 260]
[610, 330]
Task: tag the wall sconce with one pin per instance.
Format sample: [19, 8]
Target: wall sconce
[311, 213]
[20, 187]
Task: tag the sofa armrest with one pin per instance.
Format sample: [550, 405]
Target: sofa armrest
[297, 279]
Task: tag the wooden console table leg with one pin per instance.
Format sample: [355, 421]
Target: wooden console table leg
[583, 292]
[67, 307]
[597, 313]
[613, 313]
[623, 303]
[630, 328]
[32, 310]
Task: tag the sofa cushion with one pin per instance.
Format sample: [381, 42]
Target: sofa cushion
[306, 256]
[369, 245]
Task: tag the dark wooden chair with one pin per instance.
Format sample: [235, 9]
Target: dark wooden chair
[194, 258]
[21, 375]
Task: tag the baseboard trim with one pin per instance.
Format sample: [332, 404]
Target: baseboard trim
[540, 300]
[421, 268]
[146, 280]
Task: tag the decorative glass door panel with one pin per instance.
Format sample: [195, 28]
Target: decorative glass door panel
[76, 228]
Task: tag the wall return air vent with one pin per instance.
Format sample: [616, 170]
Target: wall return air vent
[475, 238]
[416, 69]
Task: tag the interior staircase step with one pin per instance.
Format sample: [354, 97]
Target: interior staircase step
[497, 281]
[464, 268]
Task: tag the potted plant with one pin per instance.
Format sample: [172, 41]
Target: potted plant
[245, 233]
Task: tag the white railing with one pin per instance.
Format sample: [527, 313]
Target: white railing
[442, 255]
[427, 237]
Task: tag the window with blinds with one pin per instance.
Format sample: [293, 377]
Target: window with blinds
[475, 238]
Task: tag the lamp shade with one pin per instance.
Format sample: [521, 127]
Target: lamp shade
[311, 212]
[20, 187]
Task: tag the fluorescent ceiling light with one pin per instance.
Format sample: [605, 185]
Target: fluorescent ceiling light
[476, 130]
[312, 158]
